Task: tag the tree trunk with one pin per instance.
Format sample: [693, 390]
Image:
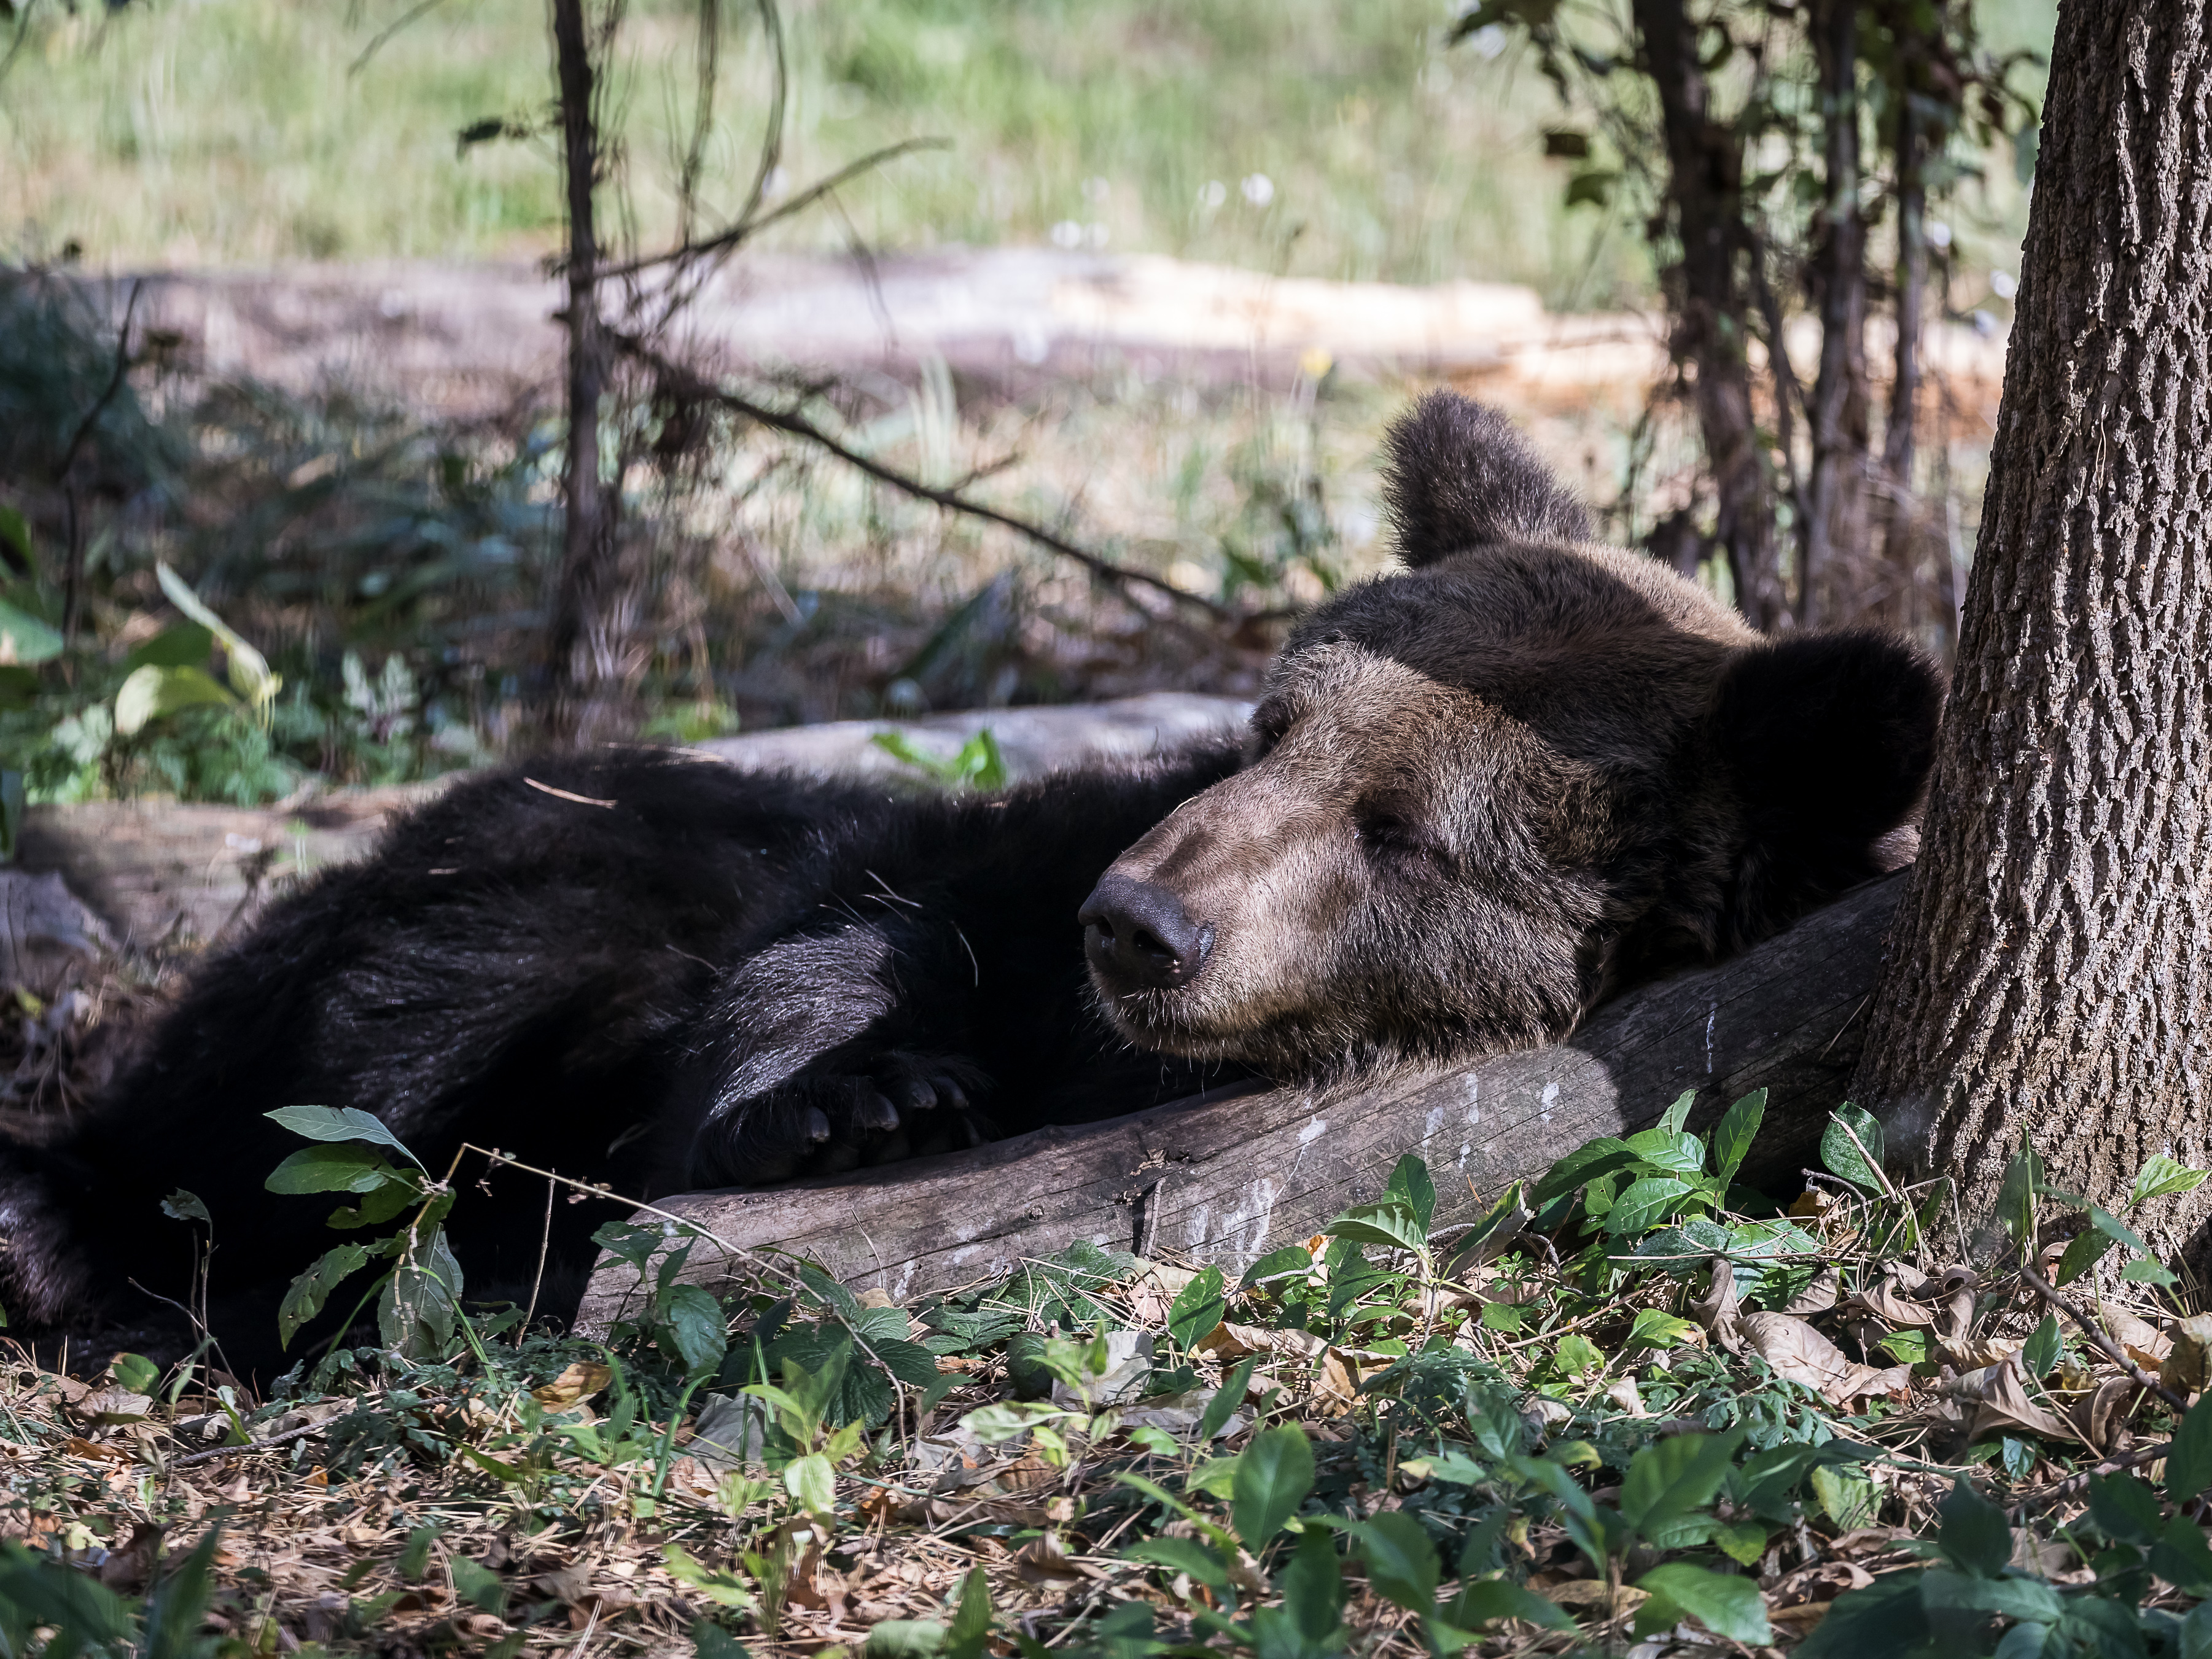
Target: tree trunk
[1704, 161]
[577, 654]
[1899, 510]
[2047, 969]
[1835, 526]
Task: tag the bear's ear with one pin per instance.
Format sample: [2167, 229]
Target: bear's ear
[1457, 475]
[1828, 739]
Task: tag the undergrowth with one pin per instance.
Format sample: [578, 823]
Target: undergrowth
[1613, 1412]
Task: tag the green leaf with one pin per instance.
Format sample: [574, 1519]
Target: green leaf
[1850, 1500]
[2160, 1176]
[182, 1206]
[887, 1639]
[1942, 1589]
[2017, 1193]
[2041, 1351]
[339, 1123]
[1742, 1541]
[971, 1620]
[1183, 1555]
[699, 1328]
[1390, 1224]
[1410, 1185]
[248, 669]
[1722, 1602]
[1887, 1617]
[1844, 1158]
[1273, 1475]
[150, 693]
[312, 1288]
[2189, 1465]
[1488, 1600]
[1670, 1150]
[1291, 1262]
[24, 639]
[1198, 1308]
[2083, 1251]
[1670, 1478]
[2125, 1509]
[1226, 1399]
[1733, 1133]
[812, 1483]
[1592, 187]
[2144, 1271]
[15, 535]
[1576, 1355]
[1401, 1560]
[1313, 1592]
[135, 1373]
[1501, 1220]
[1655, 1329]
[1677, 1112]
[1646, 1204]
[2180, 1556]
[477, 1583]
[332, 1169]
[1974, 1534]
[1602, 1157]
[179, 647]
[1912, 1347]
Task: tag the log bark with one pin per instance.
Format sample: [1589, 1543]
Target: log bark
[2048, 976]
[1226, 1179]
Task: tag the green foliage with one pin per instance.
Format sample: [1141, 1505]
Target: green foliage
[977, 764]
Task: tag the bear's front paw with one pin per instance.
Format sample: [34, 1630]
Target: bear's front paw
[841, 1116]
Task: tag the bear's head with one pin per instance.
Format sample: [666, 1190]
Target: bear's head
[1477, 795]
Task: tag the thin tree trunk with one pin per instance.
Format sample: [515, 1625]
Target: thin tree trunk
[1901, 510]
[1704, 161]
[2048, 967]
[576, 649]
[1835, 524]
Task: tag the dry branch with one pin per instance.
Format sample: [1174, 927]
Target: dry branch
[1226, 1178]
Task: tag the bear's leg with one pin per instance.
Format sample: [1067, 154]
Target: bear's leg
[857, 1105]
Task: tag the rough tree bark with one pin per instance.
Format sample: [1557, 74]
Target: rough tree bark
[1835, 519]
[1704, 163]
[1899, 510]
[2047, 970]
[577, 646]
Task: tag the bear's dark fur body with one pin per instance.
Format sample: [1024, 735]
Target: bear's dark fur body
[1477, 796]
[654, 995]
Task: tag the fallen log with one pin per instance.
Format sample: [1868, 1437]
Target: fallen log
[1225, 1179]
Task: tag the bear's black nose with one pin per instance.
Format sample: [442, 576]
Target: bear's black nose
[1137, 934]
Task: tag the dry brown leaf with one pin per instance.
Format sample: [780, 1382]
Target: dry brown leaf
[573, 1387]
[2100, 1417]
[110, 1405]
[2003, 1404]
[1228, 1341]
[2145, 1344]
[1594, 1594]
[1818, 1297]
[1801, 1354]
[77, 1446]
[2188, 1369]
[1339, 1382]
[1888, 1303]
[1044, 1560]
[1802, 1620]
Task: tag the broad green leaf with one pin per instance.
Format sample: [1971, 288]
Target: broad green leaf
[2160, 1176]
[2180, 1556]
[1226, 1399]
[135, 1373]
[1585, 1164]
[2125, 1509]
[1672, 1150]
[332, 1169]
[15, 535]
[477, 1583]
[1910, 1347]
[184, 645]
[1646, 1204]
[812, 1483]
[1974, 1532]
[1488, 1600]
[1887, 1617]
[248, 669]
[970, 1633]
[1409, 1183]
[887, 1639]
[1733, 1133]
[1390, 1225]
[1501, 1220]
[1742, 1541]
[1291, 1262]
[2083, 1251]
[1576, 1355]
[1313, 1592]
[1198, 1308]
[1848, 1499]
[312, 1288]
[1843, 1157]
[1183, 1555]
[1672, 1120]
[2189, 1465]
[2017, 1193]
[340, 1123]
[2145, 1271]
[1401, 1560]
[2041, 1350]
[1670, 1478]
[698, 1327]
[1273, 1475]
[1723, 1603]
[2028, 1599]
[182, 1206]
[26, 640]
[1655, 1329]
[150, 693]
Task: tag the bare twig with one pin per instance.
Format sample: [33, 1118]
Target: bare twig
[692, 385]
[2035, 1502]
[114, 384]
[300, 1433]
[384, 35]
[2103, 1344]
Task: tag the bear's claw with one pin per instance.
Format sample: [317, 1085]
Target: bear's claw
[841, 1115]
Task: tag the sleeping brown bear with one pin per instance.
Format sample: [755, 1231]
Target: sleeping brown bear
[1475, 797]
